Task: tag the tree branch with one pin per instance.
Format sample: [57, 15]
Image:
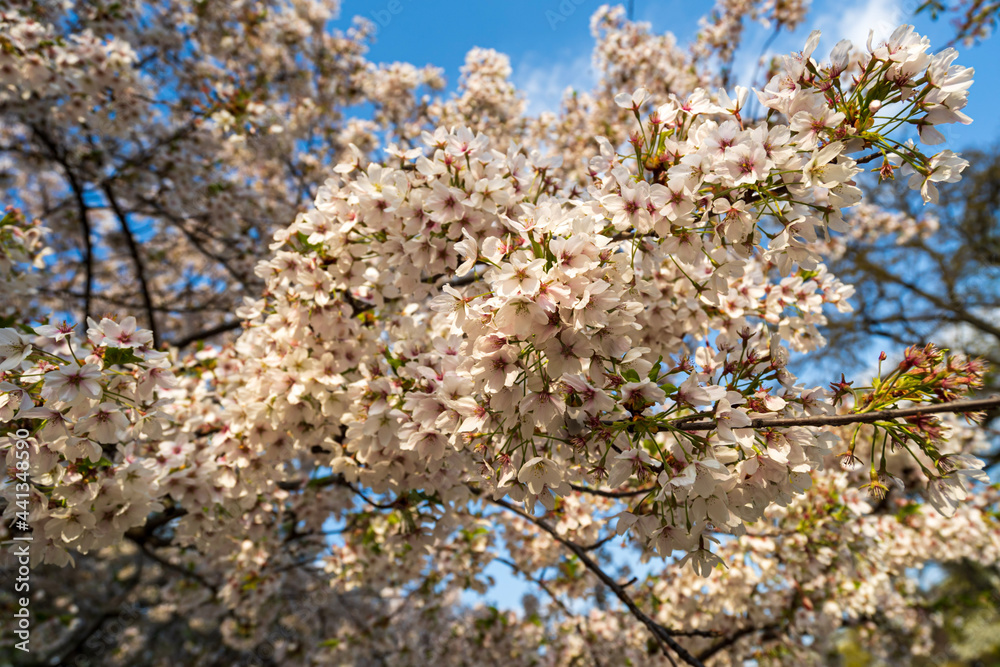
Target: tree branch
[166, 564]
[857, 417]
[611, 494]
[658, 631]
[958, 312]
[70, 648]
[733, 638]
[541, 583]
[207, 333]
[81, 205]
[140, 269]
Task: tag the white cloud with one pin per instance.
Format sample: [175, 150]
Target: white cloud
[543, 84]
[836, 19]
[853, 22]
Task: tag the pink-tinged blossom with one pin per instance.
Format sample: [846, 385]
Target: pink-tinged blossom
[125, 334]
[364, 356]
[519, 276]
[468, 249]
[945, 167]
[629, 210]
[519, 317]
[746, 163]
[593, 401]
[538, 473]
[702, 477]
[56, 332]
[630, 462]
[106, 423]
[452, 301]
[647, 390]
[68, 525]
[633, 101]
[732, 424]
[692, 393]
[14, 348]
[72, 380]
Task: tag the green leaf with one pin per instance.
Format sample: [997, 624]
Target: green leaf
[654, 372]
[907, 510]
[119, 356]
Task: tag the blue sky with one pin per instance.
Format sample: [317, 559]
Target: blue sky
[548, 56]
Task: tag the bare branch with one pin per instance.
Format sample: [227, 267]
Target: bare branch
[541, 583]
[857, 417]
[948, 306]
[610, 494]
[166, 564]
[658, 631]
[207, 333]
[82, 209]
[140, 268]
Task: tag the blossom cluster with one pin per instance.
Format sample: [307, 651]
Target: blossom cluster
[600, 333]
[470, 320]
[96, 421]
[23, 252]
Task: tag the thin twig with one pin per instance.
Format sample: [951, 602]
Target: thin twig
[207, 333]
[857, 417]
[541, 583]
[660, 633]
[166, 564]
[868, 158]
[611, 494]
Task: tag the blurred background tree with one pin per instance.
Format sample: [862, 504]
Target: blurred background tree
[935, 278]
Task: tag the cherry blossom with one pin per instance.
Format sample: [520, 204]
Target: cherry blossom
[497, 339]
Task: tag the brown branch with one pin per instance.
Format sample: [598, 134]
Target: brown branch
[733, 638]
[81, 205]
[461, 281]
[660, 633]
[610, 494]
[133, 305]
[146, 533]
[72, 647]
[960, 313]
[207, 333]
[599, 543]
[868, 158]
[541, 583]
[140, 268]
[147, 153]
[198, 244]
[857, 417]
[360, 494]
[166, 564]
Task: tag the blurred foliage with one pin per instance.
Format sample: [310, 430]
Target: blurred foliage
[967, 597]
